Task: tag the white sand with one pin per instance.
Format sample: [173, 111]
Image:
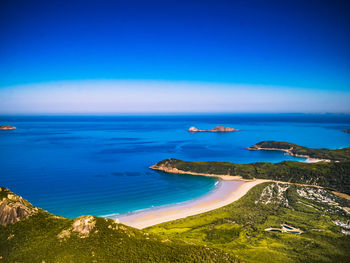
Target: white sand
[227, 192]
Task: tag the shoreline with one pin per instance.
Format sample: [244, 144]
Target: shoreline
[223, 177]
[230, 189]
[289, 152]
[227, 192]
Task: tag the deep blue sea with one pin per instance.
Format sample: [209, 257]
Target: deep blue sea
[98, 165]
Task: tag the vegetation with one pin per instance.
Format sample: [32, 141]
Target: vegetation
[234, 233]
[43, 237]
[334, 175]
[340, 155]
[239, 228]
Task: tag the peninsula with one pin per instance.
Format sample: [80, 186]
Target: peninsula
[334, 174]
[216, 129]
[7, 127]
[311, 154]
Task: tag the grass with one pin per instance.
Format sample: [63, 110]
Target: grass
[36, 239]
[234, 233]
[239, 229]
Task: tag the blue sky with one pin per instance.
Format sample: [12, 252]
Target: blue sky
[299, 49]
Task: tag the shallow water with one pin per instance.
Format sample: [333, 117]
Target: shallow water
[74, 165]
[221, 196]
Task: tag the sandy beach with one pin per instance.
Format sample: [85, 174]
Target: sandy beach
[230, 189]
[225, 193]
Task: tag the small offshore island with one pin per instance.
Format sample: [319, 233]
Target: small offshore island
[7, 127]
[216, 129]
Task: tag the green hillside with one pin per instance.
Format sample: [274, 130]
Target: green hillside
[335, 175]
[234, 233]
[257, 228]
[39, 236]
[340, 155]
[239, 228]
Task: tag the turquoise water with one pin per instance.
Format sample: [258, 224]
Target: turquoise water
[74, 165]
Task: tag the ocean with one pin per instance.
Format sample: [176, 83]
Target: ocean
[98, 165]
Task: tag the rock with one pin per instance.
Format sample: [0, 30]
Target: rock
[82, 225]
[13, 208]
[7, 127]
[347, 131]
[194, 129]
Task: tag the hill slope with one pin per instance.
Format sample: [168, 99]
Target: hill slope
[335, 175]
[239, 228]
[338, 155]
[34, 235]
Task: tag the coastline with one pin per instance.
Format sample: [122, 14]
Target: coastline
[223, 177]
[289, 152]
[230, 189]
[227, 192]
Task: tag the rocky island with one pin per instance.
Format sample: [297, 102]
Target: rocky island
[216, 129]
[347, 130]
[7, 127]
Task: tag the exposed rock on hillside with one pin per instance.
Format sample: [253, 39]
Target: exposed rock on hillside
[13, 208]
[82, 225]
[274, 194]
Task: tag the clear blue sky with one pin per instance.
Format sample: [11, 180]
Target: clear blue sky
[297, 47]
